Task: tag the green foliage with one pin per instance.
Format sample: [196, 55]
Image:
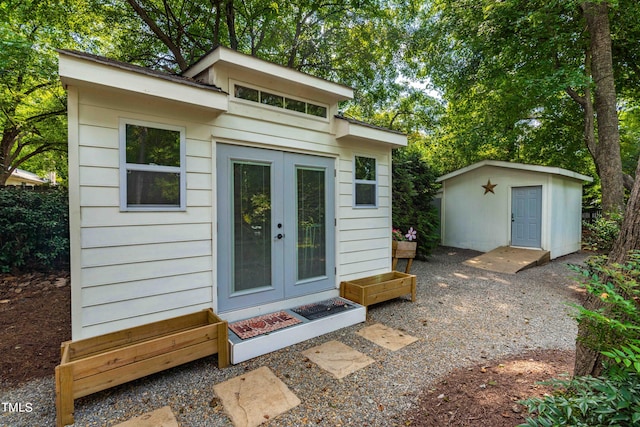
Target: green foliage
[588, 402]
[34, 229]
[505, 71]
[614, 399]
[617, 323]
[413, 191]
[602, 233]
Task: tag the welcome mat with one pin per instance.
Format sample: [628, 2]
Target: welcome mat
[264, 324]
[322, 309]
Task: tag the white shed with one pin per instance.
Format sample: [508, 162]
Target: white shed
[494, 203]
[237, 186]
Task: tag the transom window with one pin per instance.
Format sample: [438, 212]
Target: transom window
[152, 159]
[280, 101]
[365, 182]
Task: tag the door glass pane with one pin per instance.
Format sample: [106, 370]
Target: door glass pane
[251, 226]
[311, 243]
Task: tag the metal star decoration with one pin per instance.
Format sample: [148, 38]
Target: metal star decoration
[488, 188]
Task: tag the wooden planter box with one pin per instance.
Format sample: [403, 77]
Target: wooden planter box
[94, 364]
[382, 287]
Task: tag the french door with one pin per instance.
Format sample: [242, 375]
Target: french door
[276, 234]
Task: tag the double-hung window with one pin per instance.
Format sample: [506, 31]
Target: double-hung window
[366, 182]
[152, 166]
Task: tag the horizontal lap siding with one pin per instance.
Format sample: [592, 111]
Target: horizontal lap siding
[138, 267]
[364, 237]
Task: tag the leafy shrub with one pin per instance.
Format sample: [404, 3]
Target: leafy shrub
[614, 399]
[34, 229]
[588, 402]
[601, 233]
[413, 191]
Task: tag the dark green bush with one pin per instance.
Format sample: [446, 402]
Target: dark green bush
[413, 189]
[601, 233]
[34, 229]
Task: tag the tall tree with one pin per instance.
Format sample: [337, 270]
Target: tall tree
[355, 42]
[506, 69]
[606, 152]
[32, 101]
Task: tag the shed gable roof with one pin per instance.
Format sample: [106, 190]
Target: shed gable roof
[519, 166]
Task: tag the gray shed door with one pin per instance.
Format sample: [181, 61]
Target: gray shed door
[526, 216]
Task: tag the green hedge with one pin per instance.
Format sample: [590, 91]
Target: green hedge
[34, 229]
[414, 187]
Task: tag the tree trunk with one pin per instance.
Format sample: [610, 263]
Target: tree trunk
[609, 165]
[629, 237]
[231, 25]
[608, 149]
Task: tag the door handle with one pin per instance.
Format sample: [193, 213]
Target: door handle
[512, 218]
[279, 236]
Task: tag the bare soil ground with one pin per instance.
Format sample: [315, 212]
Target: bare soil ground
[35, 319]
[488, 394]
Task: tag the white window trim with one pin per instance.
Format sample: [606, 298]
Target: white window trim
[233, 83]
[124, 167]
[365, 181]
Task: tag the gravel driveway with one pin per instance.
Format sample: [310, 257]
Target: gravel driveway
[462, 316]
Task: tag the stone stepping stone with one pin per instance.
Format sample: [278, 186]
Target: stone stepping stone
[255, 397]
[337, 358]
[162, 417]
[384, 336]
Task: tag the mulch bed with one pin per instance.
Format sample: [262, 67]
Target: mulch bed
[35, 318]
[488, 394]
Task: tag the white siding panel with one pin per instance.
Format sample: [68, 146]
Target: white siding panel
[98, 295]
[198, 181]
[99, 196]
[97, 116]
[364, 269]
[379, 212]
[374, 233]
[100, 157]
[94, 276]
[98, 136]
[99, 177]
[364, 255]
[361, 245]
[121, 255]
[141, 306]
[111, 216]
[198, 148]
[363, 223]
[199, 164]
[122, 236]
[197, 198]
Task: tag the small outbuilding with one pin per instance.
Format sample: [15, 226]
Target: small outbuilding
[236, 186]
[494, 203]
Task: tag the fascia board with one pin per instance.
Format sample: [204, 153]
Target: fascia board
[346, 130]
[78, 71]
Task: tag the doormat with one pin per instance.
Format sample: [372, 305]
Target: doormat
[322, 309]
[264, 324]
